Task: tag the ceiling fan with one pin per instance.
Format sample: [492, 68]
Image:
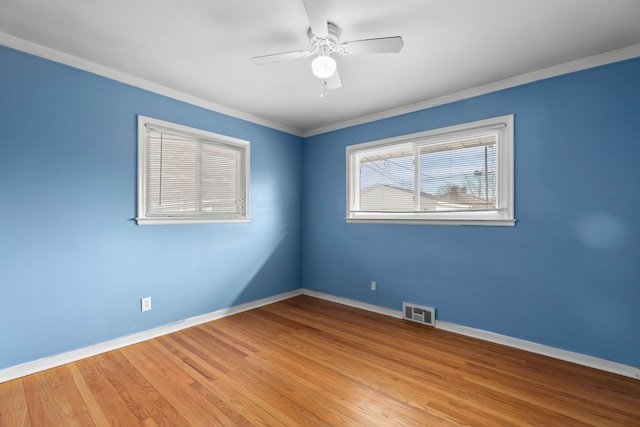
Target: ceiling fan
[324, 38]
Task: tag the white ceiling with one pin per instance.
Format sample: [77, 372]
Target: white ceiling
[203, 48]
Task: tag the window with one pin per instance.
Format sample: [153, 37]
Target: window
[187, 175]
[460, 175]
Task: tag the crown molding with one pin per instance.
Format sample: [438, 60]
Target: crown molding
[110, 73]
[605, 58]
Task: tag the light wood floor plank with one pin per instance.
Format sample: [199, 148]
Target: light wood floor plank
[36, 410]
[81, 414]
[310, 362]
[111, 402]
[93, 407]
[13, 405]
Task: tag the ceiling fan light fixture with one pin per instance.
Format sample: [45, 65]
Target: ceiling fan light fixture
[323, 66]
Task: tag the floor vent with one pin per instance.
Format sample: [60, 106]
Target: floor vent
[419, 314]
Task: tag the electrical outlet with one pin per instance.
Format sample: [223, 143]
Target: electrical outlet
[374, 285]
[145, 304]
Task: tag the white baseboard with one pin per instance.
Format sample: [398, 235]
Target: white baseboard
[75, 355]
[82, 353]
[556, 353]
[353, 303]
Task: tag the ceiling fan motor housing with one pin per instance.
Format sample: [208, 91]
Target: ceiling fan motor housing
[325, 46]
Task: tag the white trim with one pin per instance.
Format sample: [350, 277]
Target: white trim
[353, 303]
[605, 58]
[110, 73]
[171, 221]
[556, 353]
[488, 222]
[28, 368]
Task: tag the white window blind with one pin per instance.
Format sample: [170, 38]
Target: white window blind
[188, 175]
[457, 175]
[460, 175]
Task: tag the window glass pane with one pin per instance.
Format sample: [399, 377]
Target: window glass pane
[459, 176]
[387, 182]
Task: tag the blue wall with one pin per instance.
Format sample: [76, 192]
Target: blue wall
[73, 263]
[567, 275]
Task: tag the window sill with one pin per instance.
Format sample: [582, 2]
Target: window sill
[169, 221]
[414, 221]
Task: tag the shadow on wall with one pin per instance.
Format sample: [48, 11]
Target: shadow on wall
[275, 245]
[264, 275]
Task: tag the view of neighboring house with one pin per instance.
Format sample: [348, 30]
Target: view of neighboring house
[388, 198]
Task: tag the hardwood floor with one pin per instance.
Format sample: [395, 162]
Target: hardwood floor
[306, 361]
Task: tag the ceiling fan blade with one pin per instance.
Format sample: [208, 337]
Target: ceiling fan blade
[317, 13]
[380, 45]
[334, 82]
[277, 57]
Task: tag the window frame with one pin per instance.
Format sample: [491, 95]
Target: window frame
[145, 218]
[502, 216]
